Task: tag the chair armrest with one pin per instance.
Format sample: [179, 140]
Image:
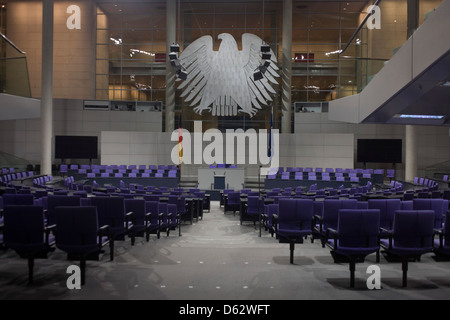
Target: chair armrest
[390, 235]
[334, 233]
[104, 231]
[441, 237]
[318, 219]
[331, 231]
[129, 217]
[48, 230]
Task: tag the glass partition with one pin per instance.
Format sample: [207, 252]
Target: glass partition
[438, 171]
[13, 69]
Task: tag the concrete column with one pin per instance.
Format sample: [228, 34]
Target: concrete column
[287, 67]
[413, 17]
[411, 153]
[170, 74]
[411, 131]
[47, 88]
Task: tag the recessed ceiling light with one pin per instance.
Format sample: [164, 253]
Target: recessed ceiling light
[420, 116]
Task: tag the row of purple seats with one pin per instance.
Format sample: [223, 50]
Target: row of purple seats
[124, 171]
[331, 170]
[40, 182]
[7, 178]
[8, 170]
[428, 183]
[170, 174]
[76, 220]
[65, 168]
[352, 230]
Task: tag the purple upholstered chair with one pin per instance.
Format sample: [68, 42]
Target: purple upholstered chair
[141, 222]
[442, 245]
[411, 237]
[79, 233]
[438, 206]
[172, 174]
[269, 211]
[329, 218]
[111, 211]
[294, 222]
[24, 231]
[18, 199]
[356, 237]
[299, 176]
[233, 202]
[253, 209]
[387, 208]
[285, 176]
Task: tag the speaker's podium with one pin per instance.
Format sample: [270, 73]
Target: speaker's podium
[220, 178]
[219, 182]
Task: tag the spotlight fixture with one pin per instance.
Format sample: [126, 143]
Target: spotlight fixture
[263, 69]
[182, 74]
[175, 48]
[265, 48]
[173, 56]
[258, 75]
[266, 56]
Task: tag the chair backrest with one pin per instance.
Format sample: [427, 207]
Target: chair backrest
[179, 201]
[23, 229]
[295, 214]
[153, 208]
[110, 210]
[18, 199]
[387, 208]
[331, 210]
[270, 210]
[254, 205]
[59, 201]
[438, 206]
[137, 206]
[81, 194]
[77, 229]
[413, 229]
[234, 198]
[358, 228]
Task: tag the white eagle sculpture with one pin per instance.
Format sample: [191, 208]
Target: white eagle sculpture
[222, 82]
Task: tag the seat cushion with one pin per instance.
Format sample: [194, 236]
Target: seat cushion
[404, 251]
[349, 252]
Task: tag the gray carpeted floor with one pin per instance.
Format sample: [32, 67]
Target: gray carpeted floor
[219, 259]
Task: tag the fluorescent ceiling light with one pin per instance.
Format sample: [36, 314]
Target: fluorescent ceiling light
[420, 116]
[445, 84]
